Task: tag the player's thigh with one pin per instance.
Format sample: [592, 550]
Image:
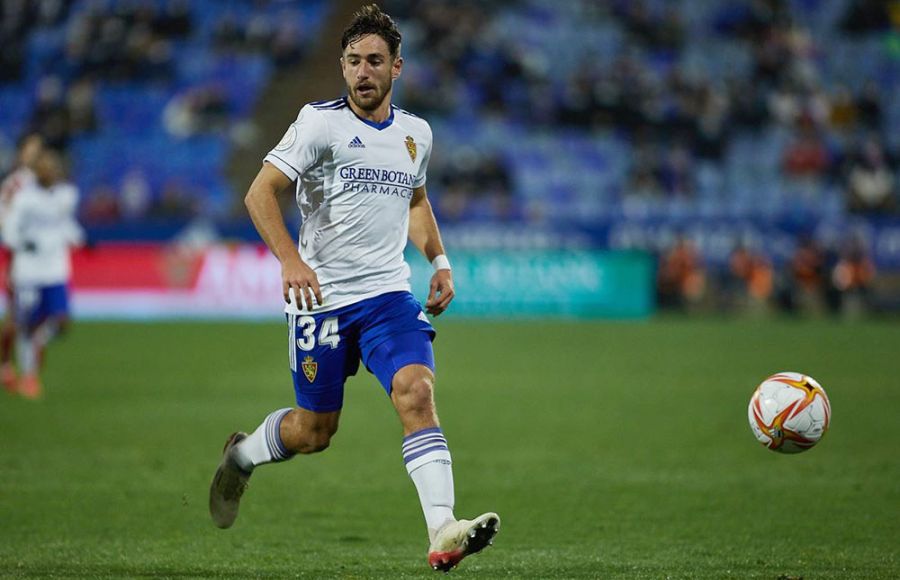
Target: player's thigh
[396, 334]
[408, 356]
[323, 353]
[55, 302]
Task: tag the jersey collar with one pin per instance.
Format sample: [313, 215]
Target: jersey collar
[380, 126]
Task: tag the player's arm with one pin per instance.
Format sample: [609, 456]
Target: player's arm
[11, 231]
[424, 234]
[262, 203]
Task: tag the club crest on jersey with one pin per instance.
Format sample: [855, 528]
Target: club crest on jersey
[310, 368]
[411, 147]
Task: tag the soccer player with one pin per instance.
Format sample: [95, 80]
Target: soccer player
[21, 176]
[40, 229]
[360, 166]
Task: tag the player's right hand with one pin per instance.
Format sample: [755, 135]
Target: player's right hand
[297, 276]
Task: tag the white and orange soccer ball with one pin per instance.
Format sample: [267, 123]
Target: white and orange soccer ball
[789, 412]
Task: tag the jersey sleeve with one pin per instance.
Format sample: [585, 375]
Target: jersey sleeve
[421, 177]
[304, 143]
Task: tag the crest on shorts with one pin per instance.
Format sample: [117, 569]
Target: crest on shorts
[411, 147]
[310, 368]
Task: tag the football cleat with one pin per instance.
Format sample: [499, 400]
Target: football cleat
[30, 387]
[456, 540]
[228, 485]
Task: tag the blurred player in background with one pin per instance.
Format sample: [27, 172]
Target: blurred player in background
[360, 166]
[22, 176]
[40, 229]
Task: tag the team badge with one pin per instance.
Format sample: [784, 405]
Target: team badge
[411, 147]
[289, 137]
[310, 367]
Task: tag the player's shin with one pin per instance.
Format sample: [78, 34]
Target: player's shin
[428, 463]
[263, 445]
[26, 354]
[42, 337]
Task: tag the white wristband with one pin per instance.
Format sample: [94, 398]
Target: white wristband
[441, 262]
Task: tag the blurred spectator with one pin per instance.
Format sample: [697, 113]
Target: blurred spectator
[807, 277]
[750, 279]
[807, 156]
[844, 114]
[81, 108]
[473, 184]
[61, 112]
[871, 181]
[864, 16]
[869, 106]
[681, 279]
[17, 19]
[136, 196]
[100, 207]
[200, 109]
[279, 37]
[175, 202]
[676, 172]
[131, 42]
[50, 117]
[174, 21]
[852, 277]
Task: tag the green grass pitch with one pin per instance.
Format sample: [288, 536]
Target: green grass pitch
[610, 450]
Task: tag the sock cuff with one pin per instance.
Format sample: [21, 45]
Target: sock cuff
[425, 446]
[273, 435]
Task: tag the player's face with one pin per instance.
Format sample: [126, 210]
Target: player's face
[48, 168]
[31, 149]
[369, 71]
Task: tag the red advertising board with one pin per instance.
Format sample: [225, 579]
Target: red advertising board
[151, 280]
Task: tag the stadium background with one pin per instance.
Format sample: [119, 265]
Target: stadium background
[732, 162]
[764, 134]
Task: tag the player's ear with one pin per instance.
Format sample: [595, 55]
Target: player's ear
[396, 67]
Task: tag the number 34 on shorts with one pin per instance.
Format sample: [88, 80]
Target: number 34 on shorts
[308, 336]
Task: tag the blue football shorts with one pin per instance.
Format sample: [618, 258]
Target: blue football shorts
[35, 304]
[388, 332]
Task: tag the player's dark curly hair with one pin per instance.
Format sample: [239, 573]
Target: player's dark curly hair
[371, 20]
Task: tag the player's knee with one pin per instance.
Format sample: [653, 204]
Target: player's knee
[416, 395]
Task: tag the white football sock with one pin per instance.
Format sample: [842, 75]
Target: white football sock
[263, 445]
[26, 354]
[428, 463]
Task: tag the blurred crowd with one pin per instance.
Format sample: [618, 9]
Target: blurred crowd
[680, 88]
[679, 120]
[816, 280]
[129, 43]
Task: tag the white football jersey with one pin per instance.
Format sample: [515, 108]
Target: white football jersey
[40, 228]
[355, 180]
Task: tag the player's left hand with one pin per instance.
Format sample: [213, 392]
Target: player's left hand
[441, 293]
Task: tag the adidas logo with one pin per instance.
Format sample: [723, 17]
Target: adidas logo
[356, 142]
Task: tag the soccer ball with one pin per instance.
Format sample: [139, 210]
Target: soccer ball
[789, 412]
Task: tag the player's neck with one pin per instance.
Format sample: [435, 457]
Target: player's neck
[379, 115]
